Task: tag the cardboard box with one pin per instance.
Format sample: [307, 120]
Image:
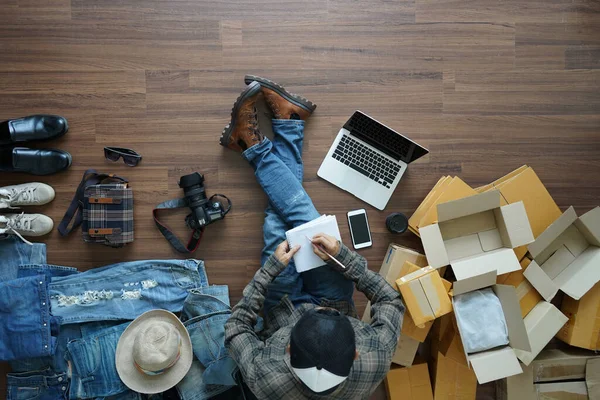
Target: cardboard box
[391, 269]
[500, 362]
[583, 327]
[446, 190]
[424, 294]
[524, 185]
[450, 344]
[409, 383]
[542, 323]
[566, 255]
[406, 350]
[452, 380]
[549, 367]
[477, 235]
[528, 296]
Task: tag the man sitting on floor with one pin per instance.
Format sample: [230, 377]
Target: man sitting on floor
[312, 345]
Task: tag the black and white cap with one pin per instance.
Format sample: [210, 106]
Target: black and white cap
[322, 349]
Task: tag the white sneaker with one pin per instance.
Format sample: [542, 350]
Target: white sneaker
[27, 194]
[25, 225]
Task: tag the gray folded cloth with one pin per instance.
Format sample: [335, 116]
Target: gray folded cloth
[481, 321]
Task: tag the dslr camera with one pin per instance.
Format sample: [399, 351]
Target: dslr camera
[205, 211]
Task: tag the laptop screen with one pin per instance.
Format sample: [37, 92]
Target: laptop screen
[383, 138]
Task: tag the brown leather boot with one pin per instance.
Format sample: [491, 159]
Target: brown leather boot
[283, 104]
[242, 131]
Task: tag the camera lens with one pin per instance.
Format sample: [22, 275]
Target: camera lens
[396, 223]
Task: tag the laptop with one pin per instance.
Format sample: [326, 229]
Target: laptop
[368, 159]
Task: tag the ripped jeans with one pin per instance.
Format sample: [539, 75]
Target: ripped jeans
[279, 170]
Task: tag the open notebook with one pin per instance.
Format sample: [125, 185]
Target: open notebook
[305, 259]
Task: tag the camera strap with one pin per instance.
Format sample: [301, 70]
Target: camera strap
[194, 240]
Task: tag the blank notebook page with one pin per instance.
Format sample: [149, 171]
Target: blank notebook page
[305, 259]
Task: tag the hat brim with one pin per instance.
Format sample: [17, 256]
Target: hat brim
[136, 380]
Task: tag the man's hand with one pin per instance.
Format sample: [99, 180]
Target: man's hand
[284, 254]
[328, 243]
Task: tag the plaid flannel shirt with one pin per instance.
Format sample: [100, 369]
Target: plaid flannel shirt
[263, 359]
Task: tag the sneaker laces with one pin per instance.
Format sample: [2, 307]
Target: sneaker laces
[253, 121]
[28, 194]
[20, 222]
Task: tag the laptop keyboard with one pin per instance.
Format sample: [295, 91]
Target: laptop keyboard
[371, 164]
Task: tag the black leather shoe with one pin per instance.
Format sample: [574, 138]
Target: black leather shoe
[36, 127]
[38, 161]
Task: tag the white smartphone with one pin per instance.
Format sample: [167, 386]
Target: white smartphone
[359, 229]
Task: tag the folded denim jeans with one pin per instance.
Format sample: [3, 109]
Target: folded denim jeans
[14, 252]
[28, 329]
[124, 291]
[37, 385]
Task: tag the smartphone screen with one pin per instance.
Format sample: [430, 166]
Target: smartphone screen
[359, 228]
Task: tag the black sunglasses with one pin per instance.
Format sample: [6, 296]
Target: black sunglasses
[130, 157]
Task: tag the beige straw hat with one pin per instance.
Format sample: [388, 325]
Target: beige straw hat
[154, 353]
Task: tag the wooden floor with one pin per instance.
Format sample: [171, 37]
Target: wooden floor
[486, 85]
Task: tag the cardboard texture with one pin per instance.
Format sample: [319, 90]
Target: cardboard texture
[447, 189]
[524, 185]
[452, 380]
[565, 256]
[528, 296]
[477, 235]
[550, 366]
[542, 323]
[562, 391]
[501, 362]
[406, 350]
[409, 383]
[424, 294]
[592, 378]
[391, 270]
[583, 327]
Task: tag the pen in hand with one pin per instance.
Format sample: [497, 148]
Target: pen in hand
[318, 246]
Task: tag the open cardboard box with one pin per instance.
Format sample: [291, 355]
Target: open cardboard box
[542, 323]
[566, 256]
[500, 362]
[561, 373]
[477, 235]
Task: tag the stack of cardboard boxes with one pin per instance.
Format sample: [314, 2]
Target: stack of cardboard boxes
[509, 236]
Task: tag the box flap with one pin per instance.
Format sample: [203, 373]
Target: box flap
[468, 205]
[562, 391]
[463, 247]
[540, 281]
[581, 275]
[557, 262]
[495, 364]
[574, 240]
[474, 282]
[542, 323]
[592, 378]
[502, 260]
[517, 334]
[552, 232]
[456, 189]
[589, 225]
[433, 244]
[490, 240]
[516, 223]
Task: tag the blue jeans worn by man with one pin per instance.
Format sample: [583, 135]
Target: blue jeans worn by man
[312, 345]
